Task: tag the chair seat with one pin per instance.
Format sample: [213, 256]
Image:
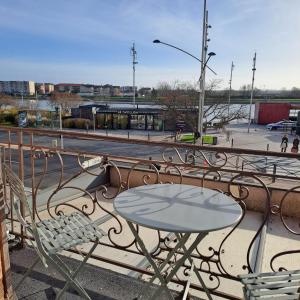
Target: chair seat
[274, 285]
[67, 231]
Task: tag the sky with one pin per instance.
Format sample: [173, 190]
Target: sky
[88, 41]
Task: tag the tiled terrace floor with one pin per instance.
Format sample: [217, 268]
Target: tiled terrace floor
[100, 284]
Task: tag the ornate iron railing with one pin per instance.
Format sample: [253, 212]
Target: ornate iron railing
[232, 171]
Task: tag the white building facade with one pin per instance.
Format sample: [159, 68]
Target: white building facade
[17, 87]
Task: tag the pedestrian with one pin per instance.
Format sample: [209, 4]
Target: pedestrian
[284, 143]
[196, 134]
[295, 147]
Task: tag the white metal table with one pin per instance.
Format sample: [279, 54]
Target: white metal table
[181, 209]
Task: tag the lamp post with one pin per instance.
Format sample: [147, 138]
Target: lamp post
[229, 95]
[252, 88]
[191, 55]
[201, 79]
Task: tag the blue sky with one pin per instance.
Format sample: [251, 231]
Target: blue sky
[89, 40]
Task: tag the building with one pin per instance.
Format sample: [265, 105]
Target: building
[116, 91]
[17, 87]
[44, 88]
[103, 90]
[126, 91]
[49, 88]
[86, 90]
[123, 116]
[40, 88]
[144, 92]
[72, 88]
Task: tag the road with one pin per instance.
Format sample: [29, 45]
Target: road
[70, 163]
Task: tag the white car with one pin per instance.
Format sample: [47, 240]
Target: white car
[282, 125]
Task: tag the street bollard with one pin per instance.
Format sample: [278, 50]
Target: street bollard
[231, 142]
[128, 134]
[268, 147]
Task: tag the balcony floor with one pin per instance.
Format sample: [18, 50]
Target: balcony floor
[100, 284]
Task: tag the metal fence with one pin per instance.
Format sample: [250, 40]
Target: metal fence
[89, 164]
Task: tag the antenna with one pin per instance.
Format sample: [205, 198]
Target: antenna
[134, 62]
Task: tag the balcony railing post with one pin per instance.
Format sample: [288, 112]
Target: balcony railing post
[237, 162]
[6, 290]
[32, 176]
[274, 172]
[21, 176]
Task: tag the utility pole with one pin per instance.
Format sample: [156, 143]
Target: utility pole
[251, 98]
[134, 62]
[203, 65]
[229, 95]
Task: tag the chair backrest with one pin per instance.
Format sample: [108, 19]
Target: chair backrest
[18, 196]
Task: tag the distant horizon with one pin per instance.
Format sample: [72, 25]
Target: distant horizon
[140, 87]
[91, 42]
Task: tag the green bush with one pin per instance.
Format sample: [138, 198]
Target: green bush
[9, 118]
[78, 123]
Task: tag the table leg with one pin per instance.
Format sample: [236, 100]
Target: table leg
[196, 271]
[181, 242]
[151, 261]
[181, 261]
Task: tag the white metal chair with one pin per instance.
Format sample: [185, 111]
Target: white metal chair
[54, 235]
[273, 285]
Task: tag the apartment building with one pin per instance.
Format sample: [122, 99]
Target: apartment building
[44, 88]
[103, 90]
[86, 90]
[126, 90]
[17, 87]
[144, 92]
[49, 88]
[73, 88]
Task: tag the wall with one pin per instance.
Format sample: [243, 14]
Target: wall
[256, 201]
[266, 113]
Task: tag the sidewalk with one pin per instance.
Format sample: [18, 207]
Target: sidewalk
[259, 138]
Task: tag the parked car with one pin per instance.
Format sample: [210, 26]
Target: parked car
[282, 125]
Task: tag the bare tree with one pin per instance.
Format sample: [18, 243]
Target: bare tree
[7, 100]
[66, 100]
[181, 101]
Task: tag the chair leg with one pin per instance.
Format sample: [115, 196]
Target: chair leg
[74, 274]
[27, 272]
[68, 278]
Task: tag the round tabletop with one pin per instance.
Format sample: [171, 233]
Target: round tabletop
[178, 208]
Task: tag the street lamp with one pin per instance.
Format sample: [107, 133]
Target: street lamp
[201, 79]
[252, 89]
[163, 43]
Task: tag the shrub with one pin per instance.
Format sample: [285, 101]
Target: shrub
[78, 123]
[9, 117]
